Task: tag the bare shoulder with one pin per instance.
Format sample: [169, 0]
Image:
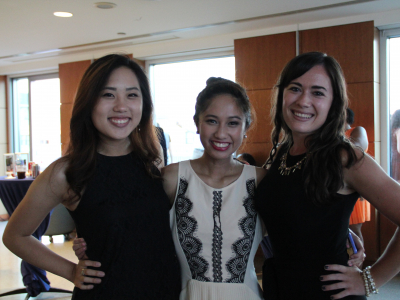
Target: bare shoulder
[363, 169]
[47, 190]
[260, 172]
[54, 178]
[170, 171]
[358, 130]
[169, 175]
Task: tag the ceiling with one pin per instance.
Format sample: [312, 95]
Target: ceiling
[29, 28]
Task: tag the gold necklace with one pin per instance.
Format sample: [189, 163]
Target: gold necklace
[287, 170]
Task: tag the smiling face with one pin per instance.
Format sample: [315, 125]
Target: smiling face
[307, 101]
[118, 110]
[221, 127]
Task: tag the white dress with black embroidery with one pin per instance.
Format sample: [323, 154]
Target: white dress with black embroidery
[216, 234]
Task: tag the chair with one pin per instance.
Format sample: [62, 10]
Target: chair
[61, 222]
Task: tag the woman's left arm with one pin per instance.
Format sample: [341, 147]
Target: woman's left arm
[369, 179]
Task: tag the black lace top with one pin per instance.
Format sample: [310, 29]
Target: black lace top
[123, 217]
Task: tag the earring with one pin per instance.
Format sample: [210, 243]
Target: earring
[245, 136]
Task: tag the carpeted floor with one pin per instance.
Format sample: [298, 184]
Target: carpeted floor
[390, 291]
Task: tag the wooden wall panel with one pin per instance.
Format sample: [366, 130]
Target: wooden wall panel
[260, 132]
[351, 45]
[259, 60]
[361, 96]
[70, 75]
[387, 229]
[260, 151]
[141, 63]
[370, 231]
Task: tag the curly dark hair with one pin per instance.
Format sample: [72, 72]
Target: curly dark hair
[84, 137]
[323, 171]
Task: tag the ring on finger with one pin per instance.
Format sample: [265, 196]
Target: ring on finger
[83, 272]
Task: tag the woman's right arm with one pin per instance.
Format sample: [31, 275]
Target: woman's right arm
[47, 190]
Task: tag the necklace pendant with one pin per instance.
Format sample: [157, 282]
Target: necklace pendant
[284, 170]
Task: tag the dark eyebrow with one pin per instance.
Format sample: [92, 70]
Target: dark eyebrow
[114, 89]
[214, 116]
[313, 87]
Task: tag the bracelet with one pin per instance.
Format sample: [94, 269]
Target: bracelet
[366, 286]
[372, 286]
[369, 282]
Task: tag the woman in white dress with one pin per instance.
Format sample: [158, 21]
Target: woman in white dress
[215, 228]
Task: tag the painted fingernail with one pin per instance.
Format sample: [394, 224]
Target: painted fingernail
[321, 278]
[323, 288]
[326, 267]
[332, 297]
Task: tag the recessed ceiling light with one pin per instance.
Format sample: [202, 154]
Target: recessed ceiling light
[105, 5]
[63, 14]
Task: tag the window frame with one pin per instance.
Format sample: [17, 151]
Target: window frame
[385, 35]
[11, 112]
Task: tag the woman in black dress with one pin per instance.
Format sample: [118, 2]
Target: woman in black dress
[111, 185]
[315, 177]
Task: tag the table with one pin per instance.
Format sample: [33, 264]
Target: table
[12, 191]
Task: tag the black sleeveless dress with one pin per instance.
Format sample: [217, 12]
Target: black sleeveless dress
[304, 237]
[124, 218]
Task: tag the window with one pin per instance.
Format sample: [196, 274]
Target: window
[394, 105]
[36, 118]
[390, 101]
[175, 87]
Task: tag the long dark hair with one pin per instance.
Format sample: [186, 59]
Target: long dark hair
[84, 137]
[323, 171]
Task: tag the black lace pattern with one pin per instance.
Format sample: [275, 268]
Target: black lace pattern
[237, 265]
[186, 227]
[217, 237]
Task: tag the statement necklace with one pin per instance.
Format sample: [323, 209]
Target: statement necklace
[284, 170]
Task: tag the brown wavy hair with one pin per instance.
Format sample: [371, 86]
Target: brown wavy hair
[84, 137]
[323, 170]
